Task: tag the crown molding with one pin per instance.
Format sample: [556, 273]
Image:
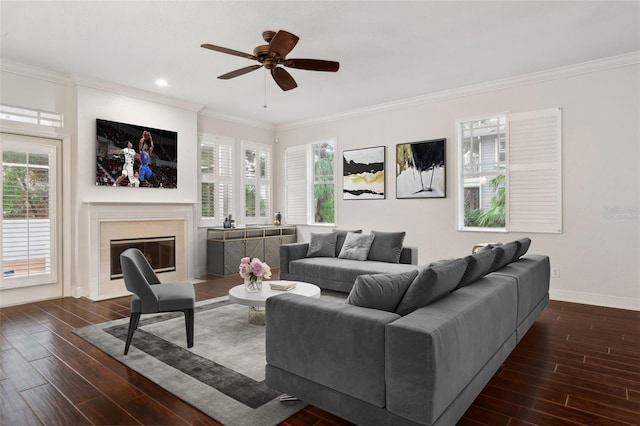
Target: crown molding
[94, 83]
[624, 60]
[237, 120]
[25, 70]
[145, 95]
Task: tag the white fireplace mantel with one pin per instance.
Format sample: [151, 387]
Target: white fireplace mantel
[102, 221]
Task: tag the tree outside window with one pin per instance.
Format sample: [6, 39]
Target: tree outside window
[323, 182]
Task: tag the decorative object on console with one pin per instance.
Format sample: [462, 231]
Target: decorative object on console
[253, 271]
[420, 169]
[135, 156]
[278, 219]
[363, 174]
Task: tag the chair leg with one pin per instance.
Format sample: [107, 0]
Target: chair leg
[189, 320]
[133, 325]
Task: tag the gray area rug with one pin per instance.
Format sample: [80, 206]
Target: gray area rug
[222, 375]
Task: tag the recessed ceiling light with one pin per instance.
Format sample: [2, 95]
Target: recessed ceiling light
[162, 82]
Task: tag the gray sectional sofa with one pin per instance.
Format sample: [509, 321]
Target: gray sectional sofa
[412, 348]
[328, 271]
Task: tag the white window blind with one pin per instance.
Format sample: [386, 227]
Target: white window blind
[256, 182]
[216, 178]
[534, 172]
[29, 176]
[297, 189]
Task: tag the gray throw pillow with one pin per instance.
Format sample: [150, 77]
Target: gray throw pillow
[504, 254]
[432, 283]
[386, 246]
[478, 265]
[523, 245]
[380, 291]
[342, 234]
[356, 246]
[322, 245]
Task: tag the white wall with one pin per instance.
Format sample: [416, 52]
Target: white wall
[597, 253]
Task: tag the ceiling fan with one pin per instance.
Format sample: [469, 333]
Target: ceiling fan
[274, 54]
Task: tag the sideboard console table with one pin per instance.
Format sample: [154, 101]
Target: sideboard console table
[227, 246]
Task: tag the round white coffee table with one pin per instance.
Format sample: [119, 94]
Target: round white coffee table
[256, 301]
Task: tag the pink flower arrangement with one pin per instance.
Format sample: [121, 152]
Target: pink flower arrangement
[254, 269]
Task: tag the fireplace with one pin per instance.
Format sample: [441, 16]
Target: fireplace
[159, 251]
[148, 226]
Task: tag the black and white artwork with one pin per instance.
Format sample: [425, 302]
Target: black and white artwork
[363, 174]
[420, 169]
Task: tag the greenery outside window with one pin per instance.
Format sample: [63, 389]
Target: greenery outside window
[483, 165]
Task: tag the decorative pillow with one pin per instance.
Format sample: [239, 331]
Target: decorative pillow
[504, 254]
[523, 245]
[386, 246]
[478, 266]
[322, 245]
[432, 283]
[342, 234]
[380, 291]
[356, 246]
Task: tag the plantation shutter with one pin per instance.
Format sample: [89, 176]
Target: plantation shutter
[216, 187]
[29, 214]
[534, 172]
[296, 185]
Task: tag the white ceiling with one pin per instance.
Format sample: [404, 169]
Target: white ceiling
[388, 50]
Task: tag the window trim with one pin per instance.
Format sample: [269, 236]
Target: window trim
[554, 166]
[306, 217]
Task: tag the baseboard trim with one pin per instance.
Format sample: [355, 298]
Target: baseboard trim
[595, 299]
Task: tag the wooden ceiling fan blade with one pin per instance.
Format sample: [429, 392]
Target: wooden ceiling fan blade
[283, 79]
[312, 64]
[283, 42]
[228, 51]
[239, 72]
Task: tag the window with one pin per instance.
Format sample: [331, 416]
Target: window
[310, 183]
[29, 185]
[510, 172]
[32, 116]
[256, 182]
[216, 179]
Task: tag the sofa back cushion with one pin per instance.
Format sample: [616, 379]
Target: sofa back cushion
[322, 245]
[341, 235]
[386, 246]
[380, 291]
[523, 245]
[478, 265]
[356, 246]
[432, 283]
[504, 254]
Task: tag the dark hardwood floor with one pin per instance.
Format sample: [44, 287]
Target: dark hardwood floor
[578, 365]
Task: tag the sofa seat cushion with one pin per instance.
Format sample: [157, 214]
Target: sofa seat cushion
[532, 274]
[443, 346]
[344, 270]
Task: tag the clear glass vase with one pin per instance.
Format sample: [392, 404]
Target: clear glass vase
[253, 286]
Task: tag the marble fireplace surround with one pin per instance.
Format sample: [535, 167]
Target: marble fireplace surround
[112, 221]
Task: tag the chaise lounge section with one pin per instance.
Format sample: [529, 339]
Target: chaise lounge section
[411, 349]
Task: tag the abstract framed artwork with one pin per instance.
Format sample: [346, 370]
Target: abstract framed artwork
[363, 174]
[420, 169]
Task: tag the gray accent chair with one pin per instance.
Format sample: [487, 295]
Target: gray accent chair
[150, 296]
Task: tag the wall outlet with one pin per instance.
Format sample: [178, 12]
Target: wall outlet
[555, 272]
